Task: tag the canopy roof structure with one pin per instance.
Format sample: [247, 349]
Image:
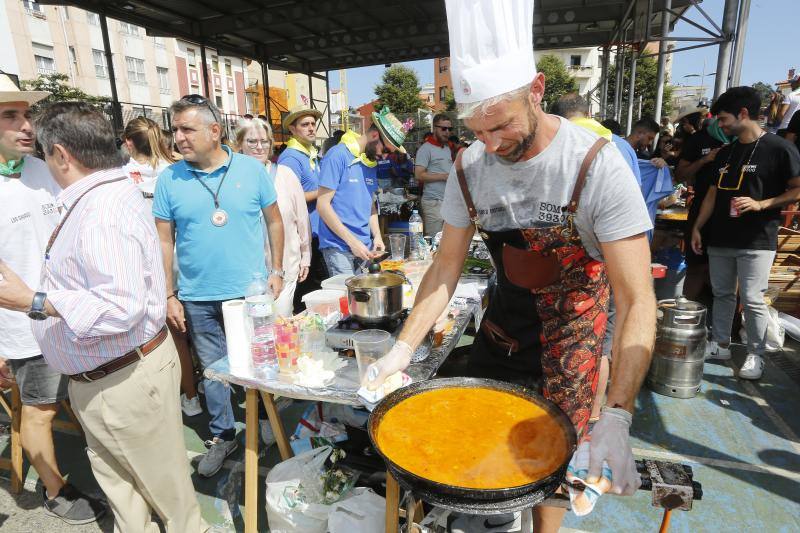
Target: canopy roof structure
[313, 36]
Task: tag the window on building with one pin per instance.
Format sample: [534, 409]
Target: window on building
[74, 58]
[100, 65]
[442, 93]
[44, 59]
[215, 63]
[32, 7]
[135, 69]
[163, 80]
[92, 18]
[158, 42]
[191, 58]
[228, 68]
[575, 60]
[129, 29]
[218, 100]
[444, 64]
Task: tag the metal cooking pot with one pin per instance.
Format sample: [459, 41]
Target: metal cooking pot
[487, 501]
[376, 297]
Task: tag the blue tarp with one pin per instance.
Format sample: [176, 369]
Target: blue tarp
[656, 184]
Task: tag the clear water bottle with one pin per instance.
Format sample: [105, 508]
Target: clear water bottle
[415, 236]
[259, 309]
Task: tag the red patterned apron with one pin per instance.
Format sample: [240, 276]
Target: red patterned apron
[547, 312]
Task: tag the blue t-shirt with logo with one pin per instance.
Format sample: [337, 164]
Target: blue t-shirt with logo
[384, 169]
[300, 164]
[216, 262]
[355, 185]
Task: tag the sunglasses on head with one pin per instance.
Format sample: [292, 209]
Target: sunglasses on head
[199, 99]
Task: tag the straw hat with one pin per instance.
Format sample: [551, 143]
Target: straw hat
[390, 128]
[9, 92]
[298, 112]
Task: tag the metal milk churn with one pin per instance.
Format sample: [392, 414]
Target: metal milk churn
[677, 366]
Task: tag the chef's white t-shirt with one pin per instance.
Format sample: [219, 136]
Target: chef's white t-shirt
[27, 219]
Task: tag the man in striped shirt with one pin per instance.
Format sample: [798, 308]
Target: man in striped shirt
[99, 313]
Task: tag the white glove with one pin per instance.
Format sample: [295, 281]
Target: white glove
[610, 443]
[398, 358]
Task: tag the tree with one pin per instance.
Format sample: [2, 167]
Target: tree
[58, 86]
[645, 85]
[399, 89]
[449, 100]
[557, 80]
[764, 91]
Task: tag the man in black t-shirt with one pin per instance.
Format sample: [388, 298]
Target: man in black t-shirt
[793, 130]
[696, 168]
[758, 174]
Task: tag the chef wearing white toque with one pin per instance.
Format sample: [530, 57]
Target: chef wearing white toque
[565, 223]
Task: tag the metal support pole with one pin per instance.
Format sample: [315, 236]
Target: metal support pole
[631, 96]
[311, 92]
[741, 36]
[604, 75]
[328, 100]
[662, 61]
[204, 70]
[725, 48]
[116, 110]
[619, 64]
[265, 78]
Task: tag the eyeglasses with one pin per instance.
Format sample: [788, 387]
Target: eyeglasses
[445, 128]
[252, 143]
[199, 99]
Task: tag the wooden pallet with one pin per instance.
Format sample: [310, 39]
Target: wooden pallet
[784, 277]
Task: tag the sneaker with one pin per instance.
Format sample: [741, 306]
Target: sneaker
[715, 352]
[72, 506]
[752, 368]
[212, 460]
[191, 407]
[267, 436]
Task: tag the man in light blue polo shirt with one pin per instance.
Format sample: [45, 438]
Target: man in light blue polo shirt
[349, 233]
[301, 156]
[213, 202]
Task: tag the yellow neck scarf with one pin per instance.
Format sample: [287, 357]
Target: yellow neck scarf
[592, 125]
[311, 151]
[350, 140]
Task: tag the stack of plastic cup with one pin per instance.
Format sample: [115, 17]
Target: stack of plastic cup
[287, 345]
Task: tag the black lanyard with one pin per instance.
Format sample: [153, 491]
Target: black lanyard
[69, 212]
[214, 195]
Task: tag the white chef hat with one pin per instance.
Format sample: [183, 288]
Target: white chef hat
[491, 47]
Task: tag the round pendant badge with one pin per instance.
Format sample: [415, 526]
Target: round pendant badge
[219, 217]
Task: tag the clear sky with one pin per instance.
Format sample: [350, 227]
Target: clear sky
[771, 49]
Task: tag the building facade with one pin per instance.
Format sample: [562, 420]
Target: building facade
[150, 72]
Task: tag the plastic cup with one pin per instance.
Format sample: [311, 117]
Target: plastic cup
[397, 243]
[370, 345]
[287, 346]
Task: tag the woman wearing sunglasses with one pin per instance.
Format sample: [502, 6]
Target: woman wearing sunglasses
[254, 138]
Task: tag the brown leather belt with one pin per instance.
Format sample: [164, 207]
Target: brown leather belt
[123, 361]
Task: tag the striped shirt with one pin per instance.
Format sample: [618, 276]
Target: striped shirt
[104, 276]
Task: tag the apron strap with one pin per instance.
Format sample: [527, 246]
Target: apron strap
[462, 183]
[581, 181]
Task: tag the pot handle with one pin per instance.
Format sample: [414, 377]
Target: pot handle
[360, 295]
[687, 320]
[401, 274]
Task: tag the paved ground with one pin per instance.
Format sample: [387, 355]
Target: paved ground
[740, 438]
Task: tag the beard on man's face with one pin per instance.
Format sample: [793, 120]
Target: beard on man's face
[527, 141]
[371, 150]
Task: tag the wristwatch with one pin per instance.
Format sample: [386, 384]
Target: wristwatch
[280, 273]
[37, 311]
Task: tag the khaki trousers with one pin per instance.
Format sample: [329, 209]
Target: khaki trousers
[134, 433]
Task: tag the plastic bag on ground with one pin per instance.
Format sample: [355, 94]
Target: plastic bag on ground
[287, 510]
[362, 512]
[776, 333]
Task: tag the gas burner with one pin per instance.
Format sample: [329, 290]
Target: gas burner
[340, 336]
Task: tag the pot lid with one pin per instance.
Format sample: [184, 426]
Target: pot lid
[377, 280]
